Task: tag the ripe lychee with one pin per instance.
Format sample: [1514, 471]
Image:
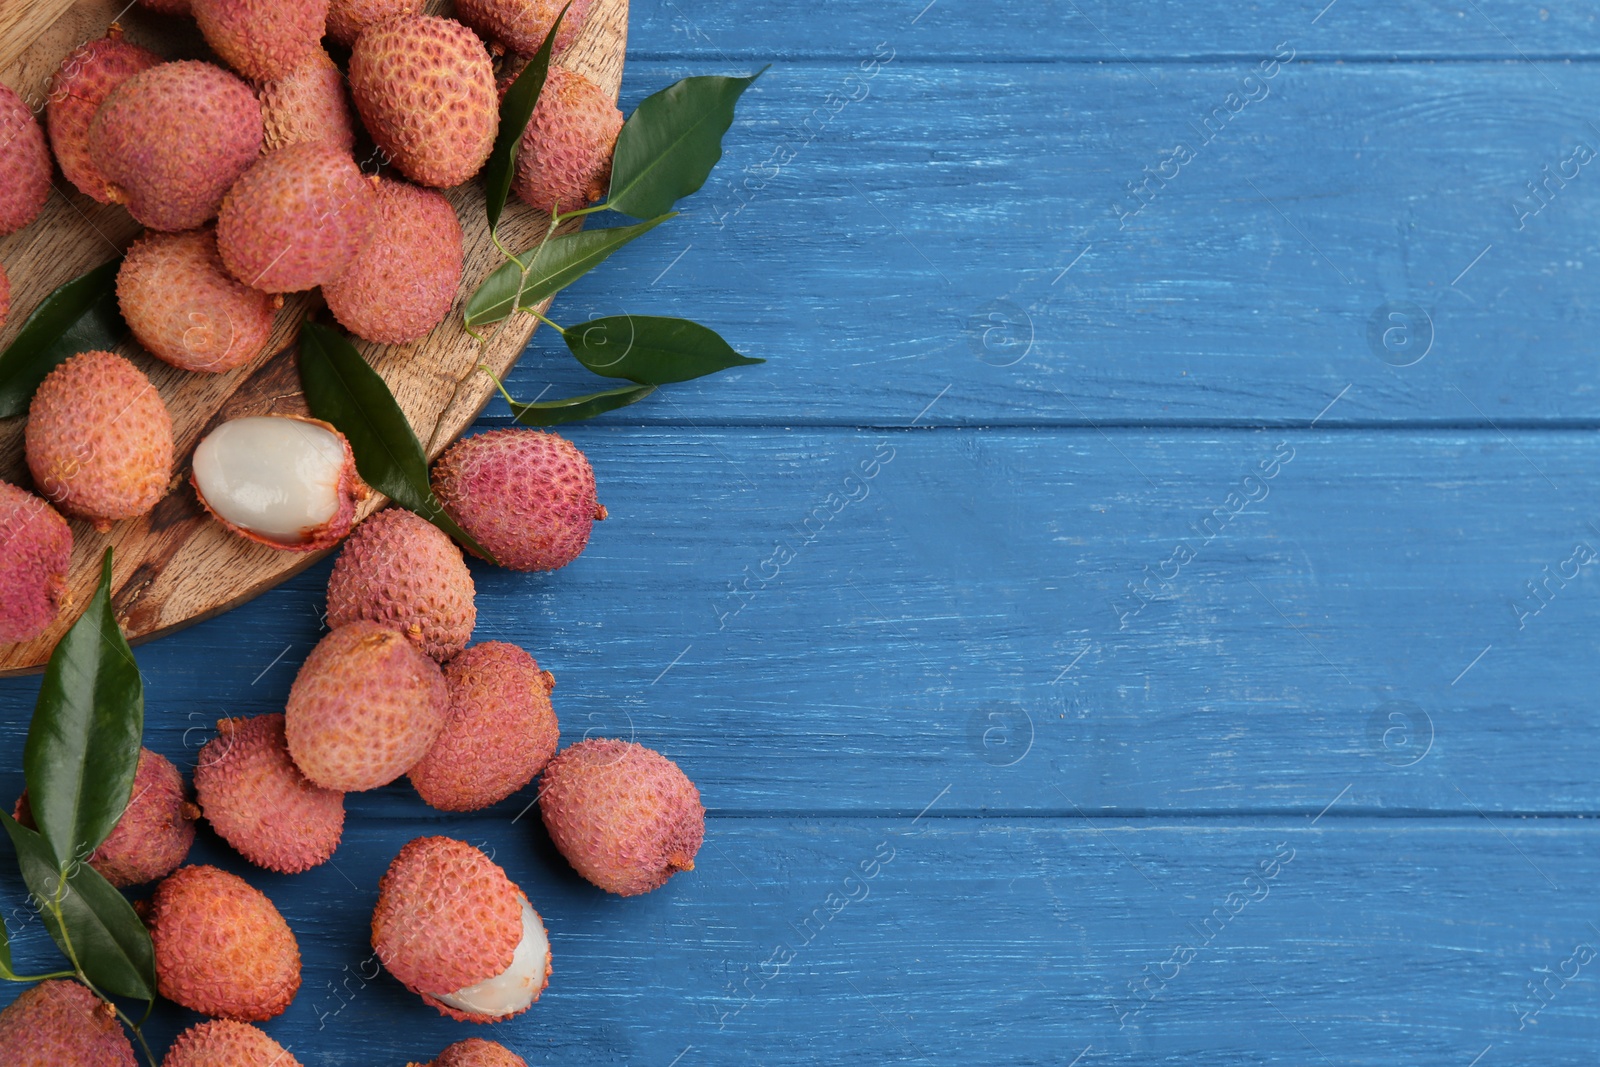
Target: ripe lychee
[475, 1052]
[260, 803]
[84, 79]
[365, 707]
[403, 281]
[24, 164]
[349, 19]
[171, 140]
[35, 549]
[565, 158]
[60, 1023]
[262, 39]
[223, 1043]
[403, 572]
[99, 439]
[623, 815]
[425, 89]
[525, 495]
[454, 929]
[521, 25]
[501, 733]
[221, 948]
[307, 104]
[285, 481]
[186, 308]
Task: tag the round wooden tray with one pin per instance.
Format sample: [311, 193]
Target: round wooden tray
[175, 566]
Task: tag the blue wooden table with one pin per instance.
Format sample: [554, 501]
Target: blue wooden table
[1145, 612]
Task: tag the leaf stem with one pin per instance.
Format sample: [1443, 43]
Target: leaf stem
[41, 977]
[554, 326]
[497, 383]
[581, 212]
[78, 972]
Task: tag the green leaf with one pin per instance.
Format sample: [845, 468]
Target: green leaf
[83, 744]
[96, 924]
[651, 350]
[81, 316]
[576, 408]
[341, 388]
[551, 267]
[515, 111]
[670, 143]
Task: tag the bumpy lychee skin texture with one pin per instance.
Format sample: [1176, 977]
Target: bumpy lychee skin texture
[223, 1043]
[35, 550]
[502, 729]
[365, 707]
[623, 815]
[401, 571]
[565, 160]
[521, 25]
[525, 495]
[349, 19]
[296, 218]
[60, 1023]
[83, 81]
[186, 309]
[404, 280]
[24, 164]
[475, 1052]
[425, 89]
[307, 104]
[259, 801]
[171, 140]
[99, 439]
[262, 39]
[221, 948]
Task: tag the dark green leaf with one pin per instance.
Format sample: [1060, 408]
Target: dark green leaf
[670, 143]
[100, 926]
[515, 111]
[81, 316]
[576, 408]
[83, 744]
[341, 388]
[551, 267]
[651, 350]
[6, 970]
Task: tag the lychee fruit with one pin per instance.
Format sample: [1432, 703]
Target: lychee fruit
[167, 7]
[260, 803]
[565, 158]
[285, 481]
[186, 309]
[365, 707]
[99, 439]
[403, 572]
[35, 550]
[296, 218]
[501, 732]
[623, 815]
[402, 283]
[307, 104]
[24, 164]
[475, 1052]
[171, 140]
[425, 89]
[525, 495]
[349, 19]
[224, 1043]
[522, 25]
[454, 929]
[60, 1023]
[83, 81]
[262, 39]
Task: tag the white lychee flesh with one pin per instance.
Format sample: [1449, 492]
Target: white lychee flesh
[520, 984]
[278, 478]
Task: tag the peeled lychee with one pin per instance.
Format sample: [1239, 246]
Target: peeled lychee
[221, 947]
[171, 140]
[24, 164]
[525, 495]
[623, 815]
[260, 803]
[84, 79]
[402, 282]
[307, 104]
[280, 480]
[61, 1024]
[262, 39]
[186, 309]
[401, 571]
[454, 929]
[35, 549]
[501, 733]
[425, 89]
[565, 158]
[365, 707]
[99, 439]
[348, 19]
[475, 1052]
[522, 25]
[223, 1043]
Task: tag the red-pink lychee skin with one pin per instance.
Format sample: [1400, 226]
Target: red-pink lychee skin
[307, 104]
[224, 1043]
[522, 25]
[262, 39]
[35, 551]
[404, 280]
[78, 87]
[565, 158]
[401, 571]
[349, 19]
[173, 139]
[60, 1023]
[24, 164]
[475, 1052]
[525, 495]
[425, 89]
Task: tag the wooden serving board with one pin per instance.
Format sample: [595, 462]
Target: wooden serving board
[175, 566]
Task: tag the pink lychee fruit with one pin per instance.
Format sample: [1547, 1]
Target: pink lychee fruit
[224, 1043]
[262, 39]
[35, 550]
[565, 158]
[403, 572]
[402, 282]
[60, 1023]
[24, 164]
[77, 89]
